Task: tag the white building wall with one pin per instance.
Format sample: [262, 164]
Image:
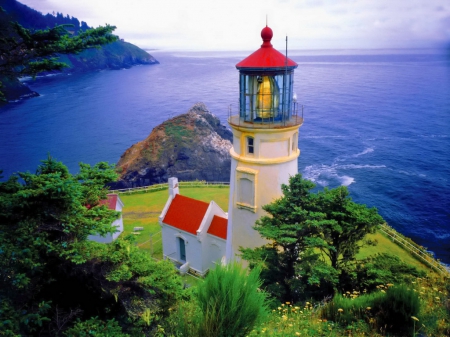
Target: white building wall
[171, 247]
[274, 160]
[118, 223]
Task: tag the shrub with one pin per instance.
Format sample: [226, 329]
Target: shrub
[396, 309]
[349, 308]
[229, 304]
[95, 327]
[380, 269]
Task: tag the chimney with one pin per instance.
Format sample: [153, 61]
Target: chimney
[173, 187]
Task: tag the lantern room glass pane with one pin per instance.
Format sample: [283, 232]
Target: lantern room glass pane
[266, 98]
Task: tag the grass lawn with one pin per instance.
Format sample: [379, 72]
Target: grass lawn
[385, 245]
[143, 210]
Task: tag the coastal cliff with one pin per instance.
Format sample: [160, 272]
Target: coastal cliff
[191, 146]
[116, 55]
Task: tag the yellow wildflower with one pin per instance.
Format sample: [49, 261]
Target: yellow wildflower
[415, 318]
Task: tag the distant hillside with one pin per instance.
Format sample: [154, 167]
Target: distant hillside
[116, 55]
[31, 18]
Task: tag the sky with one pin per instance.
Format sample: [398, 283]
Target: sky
[236, 24]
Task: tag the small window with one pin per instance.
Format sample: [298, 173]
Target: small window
[250, 145]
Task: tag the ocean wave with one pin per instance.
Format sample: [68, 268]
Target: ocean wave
[346, 181]
[323, 175]
[366, 151]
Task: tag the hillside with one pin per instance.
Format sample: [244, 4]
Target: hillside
[116, 55]
[191, 146]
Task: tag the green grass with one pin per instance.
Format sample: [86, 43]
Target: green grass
[385, 245]
[143, 210]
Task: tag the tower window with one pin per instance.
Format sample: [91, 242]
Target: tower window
[246, 188]
[250, 145]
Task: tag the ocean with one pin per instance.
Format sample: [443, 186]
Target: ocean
[377, 121]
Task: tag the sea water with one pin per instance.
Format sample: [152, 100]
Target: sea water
[377, 121]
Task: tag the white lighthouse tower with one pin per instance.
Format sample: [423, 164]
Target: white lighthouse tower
[265, 141]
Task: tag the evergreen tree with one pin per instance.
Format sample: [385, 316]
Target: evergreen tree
[313, 238]
[50, 274]
[27, 52]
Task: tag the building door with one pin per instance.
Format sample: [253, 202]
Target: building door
[182, 249]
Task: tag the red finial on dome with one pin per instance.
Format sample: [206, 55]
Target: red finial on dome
[266, 35]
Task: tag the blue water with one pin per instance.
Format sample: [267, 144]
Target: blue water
[376, 121]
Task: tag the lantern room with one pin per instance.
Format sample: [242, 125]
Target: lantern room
[266, 80]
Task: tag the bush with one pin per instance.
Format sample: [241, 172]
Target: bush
[380, 269]
[389, 311]
[95, 327]
[350, 308]
[229, 304]
[396, 309]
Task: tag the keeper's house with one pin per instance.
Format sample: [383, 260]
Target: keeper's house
[114, 203]
[194, 233]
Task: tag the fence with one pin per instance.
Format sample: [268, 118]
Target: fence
[417, 251]
[159, 187]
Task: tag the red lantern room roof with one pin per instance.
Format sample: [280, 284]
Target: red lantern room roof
[266, 57]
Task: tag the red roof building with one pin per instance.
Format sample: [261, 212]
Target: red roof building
[186, 214]
[113, 202]
[194, 232]
[218, 227]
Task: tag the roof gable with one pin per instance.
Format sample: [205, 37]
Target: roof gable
[185, 213]
[218, 227]
[110, 201]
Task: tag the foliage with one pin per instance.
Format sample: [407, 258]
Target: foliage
[50, 274]
[229, 303]
[434, 293]
[315, 237]
[349, 308]
[389, 310]
[395, 310]
[305, 320]
[29, 52]
[382, 268]
[95, 327]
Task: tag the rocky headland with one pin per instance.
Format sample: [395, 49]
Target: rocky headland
[191, 146]
[116, 55]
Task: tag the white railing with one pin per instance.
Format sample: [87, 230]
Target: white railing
[159, 187]
[417, 251]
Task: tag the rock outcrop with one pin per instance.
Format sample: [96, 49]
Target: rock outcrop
[191, 146]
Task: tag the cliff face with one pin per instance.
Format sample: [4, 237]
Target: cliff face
[190, 146]
[116, 55]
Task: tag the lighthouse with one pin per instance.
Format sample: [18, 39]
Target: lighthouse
[265, 141]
